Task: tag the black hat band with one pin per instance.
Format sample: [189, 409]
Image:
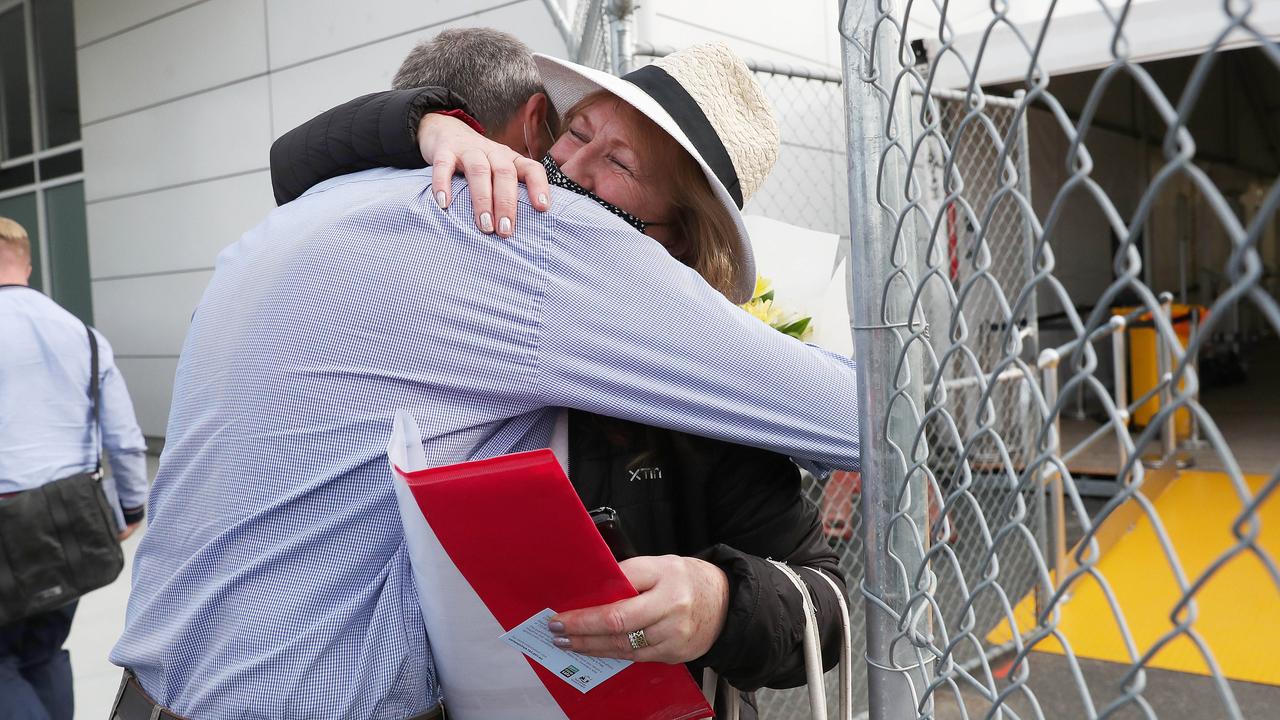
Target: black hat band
[671, 95]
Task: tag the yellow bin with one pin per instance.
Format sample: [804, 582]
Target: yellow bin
[1144, 368]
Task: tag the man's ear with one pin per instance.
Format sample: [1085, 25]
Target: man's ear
[534, 119]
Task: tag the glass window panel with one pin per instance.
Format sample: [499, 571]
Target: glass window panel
[22, 210]
[17, 176]
[69, 249]
[15, 92]
[66, 163]
[56, 64]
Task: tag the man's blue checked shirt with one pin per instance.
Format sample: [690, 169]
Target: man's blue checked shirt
[273, 580]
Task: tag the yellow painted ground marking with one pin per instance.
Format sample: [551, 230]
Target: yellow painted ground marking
[1237, 612]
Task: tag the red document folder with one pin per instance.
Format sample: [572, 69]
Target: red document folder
[516, 530]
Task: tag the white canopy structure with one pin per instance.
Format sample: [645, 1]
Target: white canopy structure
[1083, 32]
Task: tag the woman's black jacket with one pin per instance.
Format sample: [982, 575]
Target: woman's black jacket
[675, 493]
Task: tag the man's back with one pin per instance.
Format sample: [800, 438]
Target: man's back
[274, 579]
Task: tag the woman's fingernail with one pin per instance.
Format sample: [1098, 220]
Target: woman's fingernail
[542, 199]
[563, 642]
[555, 626]
[486, 222]
[440, 200]
[504, 226]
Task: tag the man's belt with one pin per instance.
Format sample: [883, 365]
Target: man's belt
[133, 703]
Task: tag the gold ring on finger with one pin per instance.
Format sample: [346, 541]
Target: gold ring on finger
[637, 639]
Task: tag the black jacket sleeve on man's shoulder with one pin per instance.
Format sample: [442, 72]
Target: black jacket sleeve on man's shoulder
[375, 130]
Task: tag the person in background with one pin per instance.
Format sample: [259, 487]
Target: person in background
[47, 432]
[675, 493]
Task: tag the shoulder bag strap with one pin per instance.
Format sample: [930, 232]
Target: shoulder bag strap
[812, 645]
[813, 652]
[846, 648]
[94, 392]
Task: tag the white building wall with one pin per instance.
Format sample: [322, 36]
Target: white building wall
[180, 102]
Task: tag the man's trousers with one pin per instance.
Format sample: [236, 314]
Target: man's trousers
[35, 672]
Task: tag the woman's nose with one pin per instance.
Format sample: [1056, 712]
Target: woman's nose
[578, 167]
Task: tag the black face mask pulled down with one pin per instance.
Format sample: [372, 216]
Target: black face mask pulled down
[556, 177]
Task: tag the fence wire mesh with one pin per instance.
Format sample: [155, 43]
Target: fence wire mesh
[993, 587]
[591, 28]
[808, 186]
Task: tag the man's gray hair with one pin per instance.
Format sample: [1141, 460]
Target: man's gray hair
[492, 70]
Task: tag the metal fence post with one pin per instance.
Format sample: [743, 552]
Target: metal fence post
[1120, 377]
[1049, 362]
[621, 42]
[1164, 372]
[889, 344]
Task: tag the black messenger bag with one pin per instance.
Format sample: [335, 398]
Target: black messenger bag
[58, 541]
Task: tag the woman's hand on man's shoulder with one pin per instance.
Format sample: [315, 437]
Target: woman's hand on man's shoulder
[493, 172]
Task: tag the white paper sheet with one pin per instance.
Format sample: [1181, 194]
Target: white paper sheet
[483, 678]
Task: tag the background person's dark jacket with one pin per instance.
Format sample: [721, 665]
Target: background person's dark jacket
[675, 493]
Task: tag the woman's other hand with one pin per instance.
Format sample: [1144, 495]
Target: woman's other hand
[492, 169]
[681, 608]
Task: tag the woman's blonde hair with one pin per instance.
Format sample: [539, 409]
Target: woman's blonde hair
[709, 235]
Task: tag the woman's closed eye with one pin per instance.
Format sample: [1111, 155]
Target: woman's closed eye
[622, 165]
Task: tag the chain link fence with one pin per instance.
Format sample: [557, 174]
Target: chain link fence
[976, 604]
[591, 27]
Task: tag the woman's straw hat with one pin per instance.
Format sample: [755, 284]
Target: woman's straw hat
[708, 100]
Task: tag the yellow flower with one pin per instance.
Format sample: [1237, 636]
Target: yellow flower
[763, 310]
[761, 307]
[763, 285]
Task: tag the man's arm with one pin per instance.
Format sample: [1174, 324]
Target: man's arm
[629, 332]
[122, 439]
[375, 130]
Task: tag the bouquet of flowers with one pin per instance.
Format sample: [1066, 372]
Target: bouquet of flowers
[762, 306]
